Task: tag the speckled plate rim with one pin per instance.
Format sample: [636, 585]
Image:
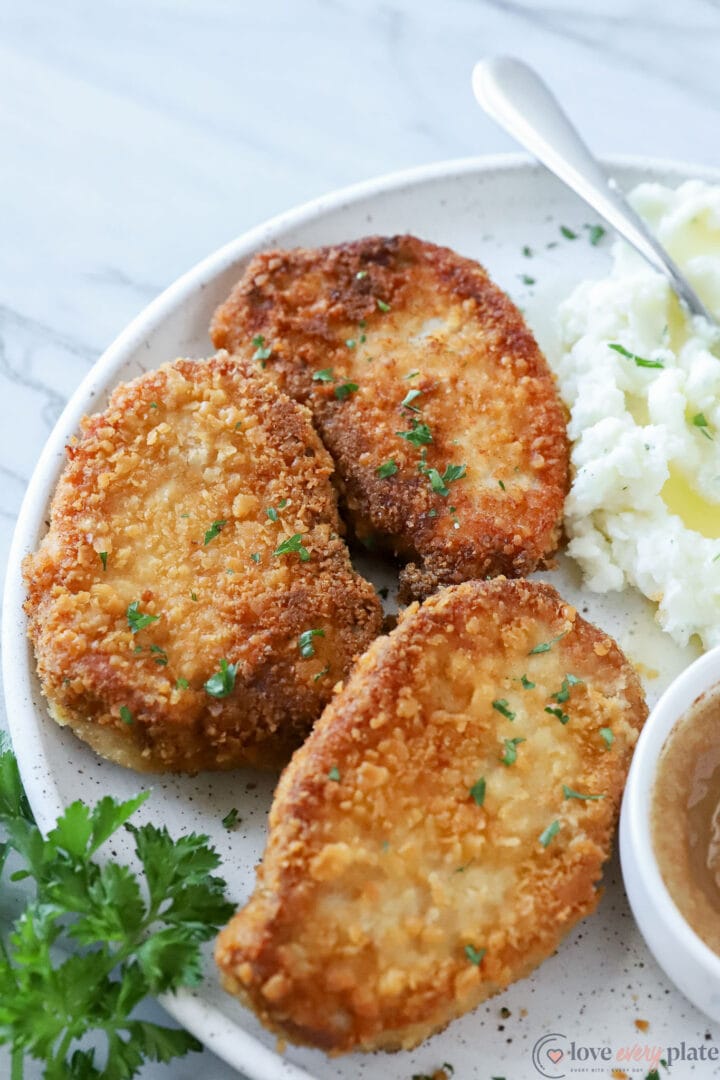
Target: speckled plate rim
[227, 1039]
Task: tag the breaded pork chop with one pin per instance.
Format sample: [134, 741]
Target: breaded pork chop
[430, 393]
[444, 825]
[192, 603]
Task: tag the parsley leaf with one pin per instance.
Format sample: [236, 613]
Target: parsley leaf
[501, 705]
[640, 361]
[509, 756]
[419, 434]
[557, 711]
[606, 734]
[103, 559]
[595, 234]
[382, 306]
[334, 774]
[140, 933]
[545, 646]
[407, 401]
[324, 376]
[700, 422]
[222, 683]
[345, 389]
[231, 818]
[215, 530]
[126, 716]
[550, 833]
[477, 791]
[262, 351]
[568, 233]
[568, 793]
[293, 544]
[526, 684]
[388, 468]
[475, 956]
[136, 620]
[305, 642]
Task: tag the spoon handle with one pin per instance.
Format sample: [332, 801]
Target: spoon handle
[517, 98]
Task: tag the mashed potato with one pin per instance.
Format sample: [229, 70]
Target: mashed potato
[644, 507]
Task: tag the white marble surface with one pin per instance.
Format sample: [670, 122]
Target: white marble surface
[138, 136]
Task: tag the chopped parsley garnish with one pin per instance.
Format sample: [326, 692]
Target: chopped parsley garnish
[305, 642]
[153, 405]
[351, 343]
[344, 390]
[160, 655]
[272, 513]
[326, 375]
[564, 692]
[136, 620]
[103, 559]
[231, 818]
[388, 468]
[509, 756]
[527, 252]
[215, 529]
[320, 674]
[570, 794]
[607, 736]
[282, 504]
[222, 683]
[475, 956]
[255, 557]
[640, 361]
[361, 274]
[439, 483]
[527, 280]
[501, 485]
[382, 306]
[293, 545]
[700, 422]
[193, 596]
[262, 351]
[568, 233]
[501, 706]
[545, 646]
[181, 684]
[526, 684]
[595, 234]
[412, 374]
[557, 711]
[549, 834]
[407, 401]
[238, 426]
[419, 434]
[477, 791]
[125, 715]
[334, 774]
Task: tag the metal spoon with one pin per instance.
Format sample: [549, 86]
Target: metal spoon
[516, 97]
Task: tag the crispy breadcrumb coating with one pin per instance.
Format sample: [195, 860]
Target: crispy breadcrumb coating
[444, 825]
[430, 393]
[172, 629]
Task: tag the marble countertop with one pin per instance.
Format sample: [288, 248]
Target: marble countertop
[139, 136]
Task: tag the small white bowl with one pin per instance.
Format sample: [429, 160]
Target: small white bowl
[683, 956]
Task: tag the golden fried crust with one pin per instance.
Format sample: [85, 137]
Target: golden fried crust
[384, 877]
[192, 444]
[395, 316]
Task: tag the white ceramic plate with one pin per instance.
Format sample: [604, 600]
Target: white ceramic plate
[602, 978]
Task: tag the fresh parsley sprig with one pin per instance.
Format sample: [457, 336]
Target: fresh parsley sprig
[134, 934]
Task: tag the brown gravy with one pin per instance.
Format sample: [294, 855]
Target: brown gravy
[685, 816]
